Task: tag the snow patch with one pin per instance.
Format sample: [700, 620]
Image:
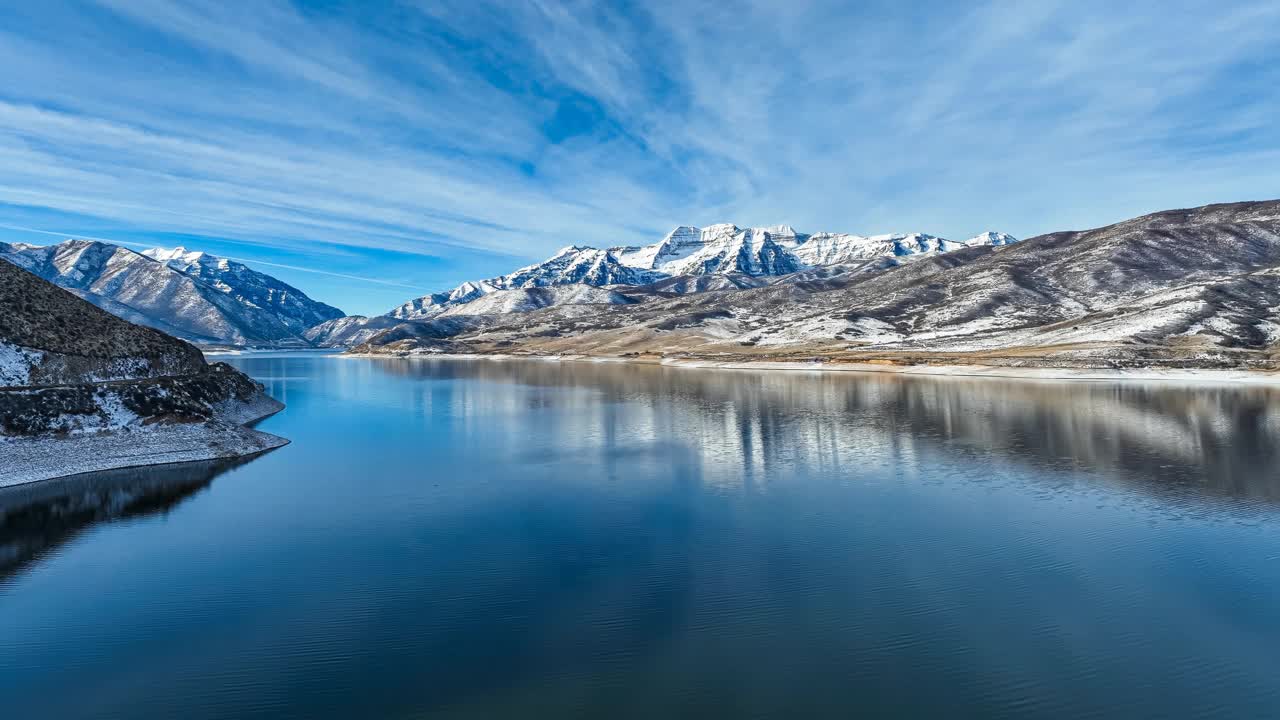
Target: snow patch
[16, 363]
[806, 330]
[114, 413]
[27, 460]
[125, 368]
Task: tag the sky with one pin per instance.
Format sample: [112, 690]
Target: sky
[369, 152]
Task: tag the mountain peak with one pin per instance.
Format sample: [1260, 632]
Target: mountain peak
[179, 253]
[781, 231]
[991, 237]
[80, 243]
[719, 228]
[572, 250]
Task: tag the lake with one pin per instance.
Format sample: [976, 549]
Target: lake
[483, 539]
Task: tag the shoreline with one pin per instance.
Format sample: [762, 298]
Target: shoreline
[29, 460]
[1186, 376]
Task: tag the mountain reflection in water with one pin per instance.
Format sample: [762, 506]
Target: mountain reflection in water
[1157, 437]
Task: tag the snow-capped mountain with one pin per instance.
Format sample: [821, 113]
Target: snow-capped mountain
[780, 250]
[572, 266]
[436, 303]
[533, 298]
[194, 296]
[249, 286]
[576, 264]
[1181, 288]
[716, 249]
[680, 262]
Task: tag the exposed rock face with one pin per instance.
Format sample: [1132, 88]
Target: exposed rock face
[79, 387]
[717, 249]
[218, 393]
[194, 296]
[1196, 288]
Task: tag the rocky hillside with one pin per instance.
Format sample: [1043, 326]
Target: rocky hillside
[81, 389]
[195, 296]
[1198, 287]
[50, 337]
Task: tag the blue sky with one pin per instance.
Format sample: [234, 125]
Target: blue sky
[374, 151]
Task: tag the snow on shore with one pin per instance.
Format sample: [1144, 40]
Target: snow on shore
[30, 459]
[1178, 375]
[1189, 376]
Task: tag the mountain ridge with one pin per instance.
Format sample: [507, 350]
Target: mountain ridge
[688, 252]
[1198, 286]
[196, 296]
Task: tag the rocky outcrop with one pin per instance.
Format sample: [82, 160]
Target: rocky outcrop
[81, 390]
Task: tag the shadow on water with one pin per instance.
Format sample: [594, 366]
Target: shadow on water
[37, 518]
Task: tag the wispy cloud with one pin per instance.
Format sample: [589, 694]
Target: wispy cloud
[516, 128]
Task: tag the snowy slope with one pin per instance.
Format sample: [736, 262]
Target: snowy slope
[533, 298]
[191, 295]
[575, 265]
[348, 331]
[581, 267]
[716, 249]
[250, 287]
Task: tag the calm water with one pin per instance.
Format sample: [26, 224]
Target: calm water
[489, 539]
